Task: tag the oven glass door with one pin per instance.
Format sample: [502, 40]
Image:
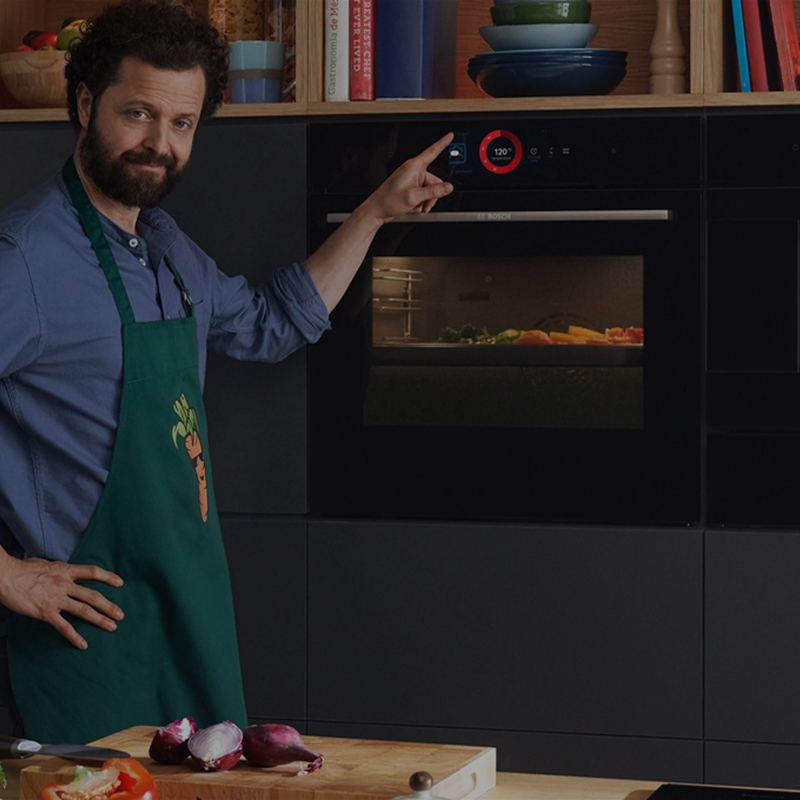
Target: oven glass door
[518, 356]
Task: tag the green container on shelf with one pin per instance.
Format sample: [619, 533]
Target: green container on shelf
[545, 12]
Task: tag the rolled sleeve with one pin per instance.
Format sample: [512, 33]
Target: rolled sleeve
[269, 321]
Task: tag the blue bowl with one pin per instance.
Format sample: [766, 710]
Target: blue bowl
[563, 55]
[547, 78]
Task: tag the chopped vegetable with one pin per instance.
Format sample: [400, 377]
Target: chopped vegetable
[217, 747]
[117, 779]
[170, 744]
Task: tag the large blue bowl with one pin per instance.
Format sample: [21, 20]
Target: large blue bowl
[560, 55]
[547, 78]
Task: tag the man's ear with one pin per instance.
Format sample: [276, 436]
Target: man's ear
[83, 99]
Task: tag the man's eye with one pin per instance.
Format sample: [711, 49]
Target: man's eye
[137, 114]
[183, 125]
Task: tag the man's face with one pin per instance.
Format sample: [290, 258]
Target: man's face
[138, 135]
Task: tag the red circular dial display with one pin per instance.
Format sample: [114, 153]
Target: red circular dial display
[500, 151]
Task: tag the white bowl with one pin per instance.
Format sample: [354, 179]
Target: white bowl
[542, 36]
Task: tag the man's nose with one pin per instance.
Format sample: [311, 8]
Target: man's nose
[157, 138]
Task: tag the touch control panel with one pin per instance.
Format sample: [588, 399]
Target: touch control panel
[534, 151]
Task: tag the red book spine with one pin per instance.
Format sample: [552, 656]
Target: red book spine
[786, 43]
[362, 50]
[755, 45]
[792, 41]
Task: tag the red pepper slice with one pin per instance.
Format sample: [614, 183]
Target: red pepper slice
[117, 779]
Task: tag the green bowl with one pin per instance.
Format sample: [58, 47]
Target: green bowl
[534, 13]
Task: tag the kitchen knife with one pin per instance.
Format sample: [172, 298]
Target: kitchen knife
[11, 747]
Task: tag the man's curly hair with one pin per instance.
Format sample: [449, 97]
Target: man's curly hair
[162, 33]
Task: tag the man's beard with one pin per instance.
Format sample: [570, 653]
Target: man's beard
[112, 175]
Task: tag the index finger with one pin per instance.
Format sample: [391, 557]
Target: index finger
[429, 154]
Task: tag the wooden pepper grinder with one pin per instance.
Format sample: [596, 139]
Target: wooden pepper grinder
[667, 65]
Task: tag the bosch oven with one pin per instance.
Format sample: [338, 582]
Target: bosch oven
[528, 350]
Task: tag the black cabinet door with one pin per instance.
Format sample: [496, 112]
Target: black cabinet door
[267, 561]
[512, 628]
[30, 153]
[753, 636]
[243, 200]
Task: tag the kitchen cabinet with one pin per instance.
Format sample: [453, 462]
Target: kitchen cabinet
[267, 561]
[561, 634]
[705, 27]
[752, 654]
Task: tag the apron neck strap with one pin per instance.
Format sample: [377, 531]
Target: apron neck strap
[91, 225]
[186, 298]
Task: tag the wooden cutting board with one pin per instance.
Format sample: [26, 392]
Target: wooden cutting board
[354, 769]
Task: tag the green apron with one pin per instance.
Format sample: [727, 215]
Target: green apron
[175, 653]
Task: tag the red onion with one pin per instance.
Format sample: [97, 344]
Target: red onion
[272, 745]
[170, 744]
[217, 747]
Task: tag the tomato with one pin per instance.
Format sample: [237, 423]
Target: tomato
[117, 779]
[43, 40]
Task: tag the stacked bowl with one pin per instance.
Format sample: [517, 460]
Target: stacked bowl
[541, 48]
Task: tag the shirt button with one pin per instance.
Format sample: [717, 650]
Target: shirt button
[133, 242]
[142, 262]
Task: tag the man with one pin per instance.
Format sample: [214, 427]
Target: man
[112, 559]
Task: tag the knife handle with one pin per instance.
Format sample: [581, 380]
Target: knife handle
[12, 747]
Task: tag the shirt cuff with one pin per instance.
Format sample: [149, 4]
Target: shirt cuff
[301, 301]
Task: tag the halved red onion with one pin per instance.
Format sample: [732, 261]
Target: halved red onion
[273, 745]
[217, 747]
[170, 744]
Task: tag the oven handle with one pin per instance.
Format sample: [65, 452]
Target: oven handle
[576, 215]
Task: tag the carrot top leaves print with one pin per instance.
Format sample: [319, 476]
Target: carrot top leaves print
[188, 428]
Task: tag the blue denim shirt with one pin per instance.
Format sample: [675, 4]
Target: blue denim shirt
[61, 350]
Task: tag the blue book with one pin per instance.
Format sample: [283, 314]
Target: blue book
[741, 45]
[415, 48]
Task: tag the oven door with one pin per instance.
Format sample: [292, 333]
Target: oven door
[431, 397]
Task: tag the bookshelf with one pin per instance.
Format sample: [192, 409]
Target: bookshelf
[624, 24]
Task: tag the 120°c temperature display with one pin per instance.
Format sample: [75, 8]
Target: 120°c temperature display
[500, 151]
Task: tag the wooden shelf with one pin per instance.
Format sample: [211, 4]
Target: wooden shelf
[624, 24]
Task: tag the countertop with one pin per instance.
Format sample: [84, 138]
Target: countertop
[510, 785]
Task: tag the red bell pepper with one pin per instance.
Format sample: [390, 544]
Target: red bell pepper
[117, 779]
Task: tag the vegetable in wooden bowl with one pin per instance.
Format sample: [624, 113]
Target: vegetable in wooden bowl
[35, 78]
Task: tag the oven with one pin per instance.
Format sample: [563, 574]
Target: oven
[530, 350]
[753, 359]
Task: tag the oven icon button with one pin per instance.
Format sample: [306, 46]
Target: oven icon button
[457, 153]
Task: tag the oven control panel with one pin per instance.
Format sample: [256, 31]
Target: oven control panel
[516, 152]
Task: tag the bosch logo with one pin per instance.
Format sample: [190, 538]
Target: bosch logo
[497, 216]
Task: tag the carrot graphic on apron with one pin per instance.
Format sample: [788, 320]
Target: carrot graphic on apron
[187, 428]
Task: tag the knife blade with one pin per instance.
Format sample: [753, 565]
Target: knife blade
[12, 747]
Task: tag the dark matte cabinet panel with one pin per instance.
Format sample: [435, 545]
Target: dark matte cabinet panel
[267, 562]
[30, 153]
[243, 200]
[553, 753]
[573, 630]
[752, 639]
[737, 764]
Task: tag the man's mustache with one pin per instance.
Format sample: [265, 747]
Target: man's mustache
[150, 159]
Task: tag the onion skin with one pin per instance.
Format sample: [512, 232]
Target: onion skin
[170, 744]
[218, 747]
[274, 745]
